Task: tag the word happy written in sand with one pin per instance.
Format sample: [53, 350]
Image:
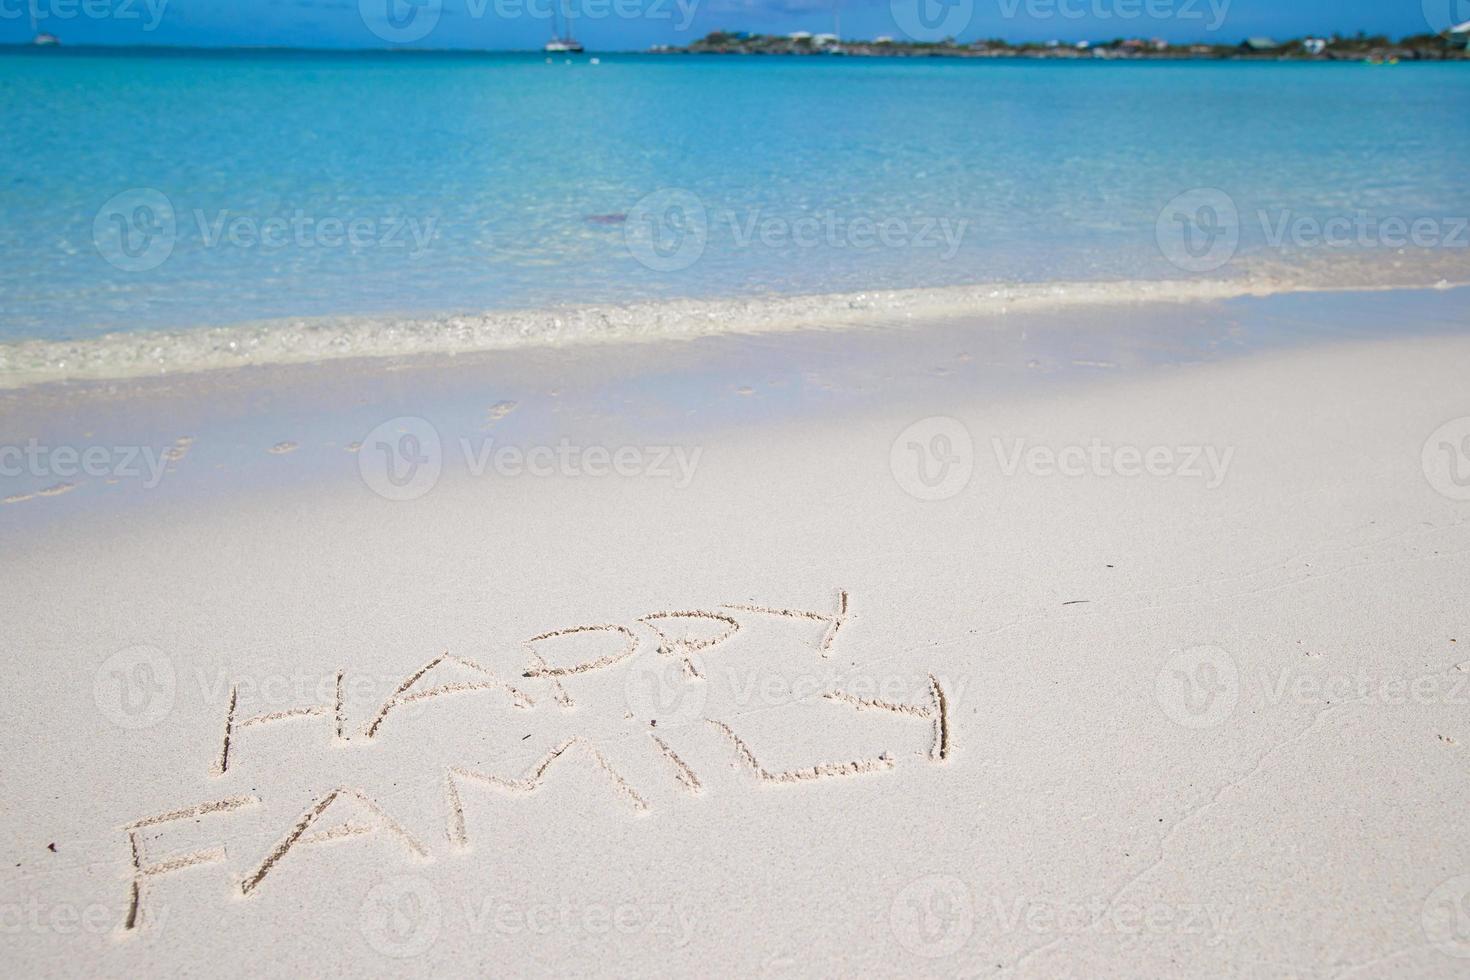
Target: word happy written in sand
[683, 638]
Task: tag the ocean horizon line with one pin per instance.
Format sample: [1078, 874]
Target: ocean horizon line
[163, 51]
[54, 50]
[663, 51]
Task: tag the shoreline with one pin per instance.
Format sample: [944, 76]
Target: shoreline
[126, 355]
[1386, 54]
[851, 48]
[304, 419]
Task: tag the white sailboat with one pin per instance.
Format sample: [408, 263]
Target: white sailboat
[41, 37]
[560, 44]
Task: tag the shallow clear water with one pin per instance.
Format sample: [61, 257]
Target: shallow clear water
[146, 191]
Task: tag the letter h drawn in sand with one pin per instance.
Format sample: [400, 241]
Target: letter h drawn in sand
[234, 725]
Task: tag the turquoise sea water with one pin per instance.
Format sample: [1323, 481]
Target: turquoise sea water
[173, 190]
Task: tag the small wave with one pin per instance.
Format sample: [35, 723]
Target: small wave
[294, 341]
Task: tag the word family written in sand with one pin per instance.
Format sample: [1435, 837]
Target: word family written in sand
[682, 642]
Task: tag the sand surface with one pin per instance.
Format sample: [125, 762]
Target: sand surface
[945, 658]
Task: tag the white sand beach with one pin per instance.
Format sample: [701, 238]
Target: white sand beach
[1086, 642]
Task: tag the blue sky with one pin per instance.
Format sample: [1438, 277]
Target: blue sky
[636, 24]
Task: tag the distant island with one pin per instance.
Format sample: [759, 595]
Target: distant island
[1451, 45]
